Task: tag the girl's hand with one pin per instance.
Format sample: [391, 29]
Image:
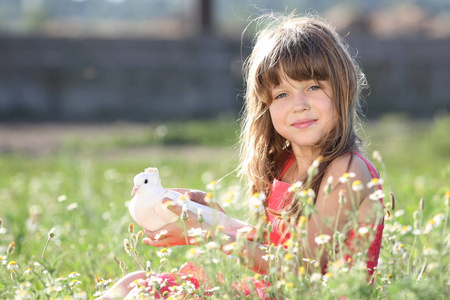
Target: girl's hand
[199, 197]
[174, 234]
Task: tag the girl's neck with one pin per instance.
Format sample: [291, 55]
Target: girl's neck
[304, 157]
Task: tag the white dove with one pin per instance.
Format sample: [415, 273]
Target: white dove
[147, 209]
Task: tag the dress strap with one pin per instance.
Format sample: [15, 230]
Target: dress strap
[373, 171]
[287, 165]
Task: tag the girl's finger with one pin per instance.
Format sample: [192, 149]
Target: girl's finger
[154, 243]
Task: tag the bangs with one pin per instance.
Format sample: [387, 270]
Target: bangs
[298, 56]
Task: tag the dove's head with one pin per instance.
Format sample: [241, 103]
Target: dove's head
[145, 180]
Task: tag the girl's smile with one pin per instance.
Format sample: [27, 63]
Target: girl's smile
[304, 123]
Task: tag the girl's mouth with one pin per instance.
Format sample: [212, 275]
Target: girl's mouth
[304, 123]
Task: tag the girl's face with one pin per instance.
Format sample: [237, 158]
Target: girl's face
[303, 111]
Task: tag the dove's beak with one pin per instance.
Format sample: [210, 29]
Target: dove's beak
[135, 189]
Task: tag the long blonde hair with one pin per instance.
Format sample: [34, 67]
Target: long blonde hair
[301, 48]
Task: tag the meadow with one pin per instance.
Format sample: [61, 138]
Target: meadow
[64, 217]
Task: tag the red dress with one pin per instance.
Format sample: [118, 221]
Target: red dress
[279, 192]
[247, 286]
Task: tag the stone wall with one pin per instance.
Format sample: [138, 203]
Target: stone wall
[43, 79]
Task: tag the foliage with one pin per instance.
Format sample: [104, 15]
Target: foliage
[82, 195]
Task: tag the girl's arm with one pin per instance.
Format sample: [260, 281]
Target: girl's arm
[346, 205]
[330, 216]
[174, 235]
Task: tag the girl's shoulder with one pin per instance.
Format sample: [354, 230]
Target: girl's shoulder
[351, 163]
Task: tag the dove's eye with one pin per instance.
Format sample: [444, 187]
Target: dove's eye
[146, 181]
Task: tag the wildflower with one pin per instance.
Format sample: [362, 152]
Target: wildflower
[200, 216]
[288, 256]
[131, 227]
[341, 198]
[127, 246]
[245, 229]
[51, 233]
[327, 277]
[447, 198]
[311, 194]
[264, 247]
[357, 186]
[229, 247]
[256, 202]
[301, 271]
[268, 257]
[73, 275]
[164, 252]
[72, 206]
[195, 232]
[417, 232]
[432, 266]
[322, 239]
[184, 215]
[309, 260]
[269, 227]
[405, 229]
[295, 186]
[122, 266]
[363, 230]
[62, 198]
[398, 248]
[314, 168]
[195, 252]
[399, 213]
[74, 283]
[422, 203]
[385, 280]
[438, 218]
[208, 197]
[160, 235]
[346, 177]
[3, 259]
[212, 245]
[375, 182]
[430, 251]
[213, 185]
[377, 156]
[329, 185]
[302, 221]
[12, 265]
[315, 277]
[392, 200]
[377, 195]
[11, 248]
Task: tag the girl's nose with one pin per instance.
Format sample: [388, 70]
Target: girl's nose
[300, 103]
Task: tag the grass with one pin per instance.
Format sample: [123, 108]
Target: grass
[82, 191]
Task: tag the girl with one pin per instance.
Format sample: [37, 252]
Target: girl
[302, 95]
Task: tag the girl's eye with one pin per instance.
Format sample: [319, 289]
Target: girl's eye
[280, 96]
[314, 88]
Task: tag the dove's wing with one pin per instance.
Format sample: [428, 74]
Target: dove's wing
[149, 212]
[131, 207]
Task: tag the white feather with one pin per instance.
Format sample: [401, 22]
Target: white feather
[147, 209]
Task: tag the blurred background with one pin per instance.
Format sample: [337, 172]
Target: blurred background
[153, 60]
[66, 65]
